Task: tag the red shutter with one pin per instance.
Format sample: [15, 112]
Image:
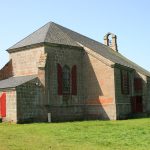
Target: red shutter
[124, 82]
[59, 79]
[138, 84]
[121, 74]
[74, 80]
[3, 105]
[141, 85]
[135, 84]
[128, 83]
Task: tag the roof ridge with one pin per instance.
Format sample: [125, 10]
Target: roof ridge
[77, 33]
[50, 23]
[57, 26]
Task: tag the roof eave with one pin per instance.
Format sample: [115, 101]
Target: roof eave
[116, 65]
[8, 88]
[11, 50]
[62, 45]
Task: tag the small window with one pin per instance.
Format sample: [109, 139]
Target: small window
[66, 80]
[125, 82]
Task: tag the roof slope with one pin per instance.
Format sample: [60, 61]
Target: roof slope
[15, 81]
[103, 50]
[48, 33]
[54, 33]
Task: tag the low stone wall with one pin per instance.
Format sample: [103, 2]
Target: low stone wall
[30, 107]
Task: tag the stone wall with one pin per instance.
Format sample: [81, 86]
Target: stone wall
[67, 113]
[148, 95]
[30, 105]
[26, 62]
[144, 92]
[6, 71]
[95, 92]
[11, 106]
[123, 102]
[99, 93]
[70, 107]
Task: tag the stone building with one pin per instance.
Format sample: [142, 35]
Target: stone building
[58, 71]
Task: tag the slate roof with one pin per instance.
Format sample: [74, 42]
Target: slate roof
[54, 33]
[13, 82]
[48, 33]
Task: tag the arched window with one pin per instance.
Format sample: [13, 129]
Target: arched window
[66, 80]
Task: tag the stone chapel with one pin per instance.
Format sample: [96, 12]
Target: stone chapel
[63, 73]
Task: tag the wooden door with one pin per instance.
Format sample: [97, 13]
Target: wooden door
[137, 104]
[3, 105]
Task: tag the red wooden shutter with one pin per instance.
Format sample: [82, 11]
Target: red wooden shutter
[138, 84]
[139, 105]
[59, 79]
[128, 83]
[121, 74]
[124, 82]
[3, 105]
[74, 80]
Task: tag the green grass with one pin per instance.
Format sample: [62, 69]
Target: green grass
[86, 135]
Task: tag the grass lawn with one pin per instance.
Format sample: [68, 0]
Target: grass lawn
[86, 135]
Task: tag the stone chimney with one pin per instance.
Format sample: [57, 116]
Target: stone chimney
[110, 40]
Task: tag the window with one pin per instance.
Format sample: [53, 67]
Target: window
[125, 82]
[138, 85]
[66, 80]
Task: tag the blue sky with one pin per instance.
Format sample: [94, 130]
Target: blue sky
[128, 19]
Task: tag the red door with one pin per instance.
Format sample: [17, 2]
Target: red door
[3, 105]
[139, 105]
